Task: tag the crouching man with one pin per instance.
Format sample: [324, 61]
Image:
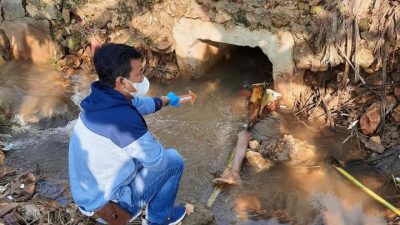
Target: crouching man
[116, 166]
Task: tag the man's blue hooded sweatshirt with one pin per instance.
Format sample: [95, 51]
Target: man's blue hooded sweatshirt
[109, 142]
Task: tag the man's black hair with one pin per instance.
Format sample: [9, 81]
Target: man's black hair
[113, 60]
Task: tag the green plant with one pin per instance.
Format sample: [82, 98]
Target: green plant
[240, 18]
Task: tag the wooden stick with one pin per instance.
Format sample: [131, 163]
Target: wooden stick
[349, 41]
[383, 91]
[351, 64]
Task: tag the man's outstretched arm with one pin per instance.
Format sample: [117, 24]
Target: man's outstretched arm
[146, 105]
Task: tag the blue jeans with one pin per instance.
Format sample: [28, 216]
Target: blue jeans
[155, 187]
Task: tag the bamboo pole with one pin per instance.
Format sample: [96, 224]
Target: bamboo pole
[367, 190]
[218, 189]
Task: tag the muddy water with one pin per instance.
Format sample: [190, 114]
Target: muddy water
[35, 94]
[205, 133]
[305, 194]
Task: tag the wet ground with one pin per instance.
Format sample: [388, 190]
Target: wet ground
[205, 133]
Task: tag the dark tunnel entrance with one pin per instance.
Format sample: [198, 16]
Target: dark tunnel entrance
[247, 65]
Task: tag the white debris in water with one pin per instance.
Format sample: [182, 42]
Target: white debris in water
[30, 137]
[18, 119]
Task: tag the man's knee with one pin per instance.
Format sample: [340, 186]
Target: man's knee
[174, 158]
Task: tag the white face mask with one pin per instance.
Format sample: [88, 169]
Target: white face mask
[141, 88]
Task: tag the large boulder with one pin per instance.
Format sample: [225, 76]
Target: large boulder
[43, 9]
[30, 39]
[13, 9]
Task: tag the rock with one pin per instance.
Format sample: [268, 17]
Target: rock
[375, 145]
[280, 21]
[87, 53]
[222, 16]
[30, 39]
[365, 55]
[315, 2]
[71, 61]
[49, 189]
[29, 212]
[282, 16]
[253, 19]
[43, 9]
[171, 67]
[87, 59]
[5, 50]
[397, 92]
[13, 9]
[303, 6]
[153, 60]
[293, 151]
[396, 114]
[395, 76]
[2, 157]
[257, 161]
[169, 76]
[395, 135]
[333, 102]
[120, 37]
[375, 139]
[246, 204]
[318, 115]
[370, 120]
[374, 79]
[163, 44]
[13, 219]
[390, 103]
[269, 5]
[254, 144]
[66, 15]
[363, 24]
[267, 146]
[60, 51]
[202, 216]
[196, 11]
[23, 187]
[6, 171]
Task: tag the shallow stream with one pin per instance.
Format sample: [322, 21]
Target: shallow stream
[204, 133]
